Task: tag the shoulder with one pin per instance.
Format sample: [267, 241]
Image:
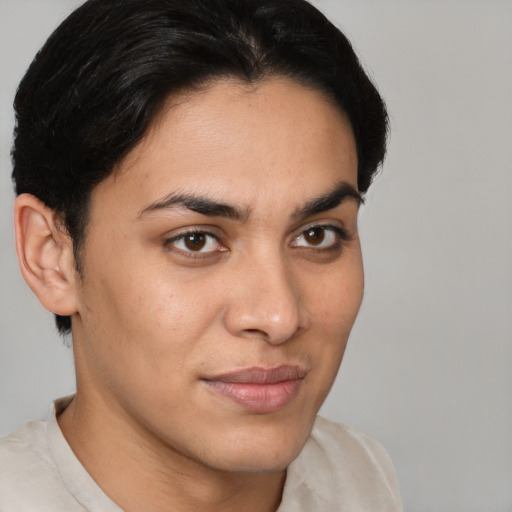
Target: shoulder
[29, 479]
[23, 450]
[341, 468]
[358, 451]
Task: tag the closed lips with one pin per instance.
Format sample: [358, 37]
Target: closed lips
[259, 389]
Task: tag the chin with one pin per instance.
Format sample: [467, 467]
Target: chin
[258, 460]
[260, 449]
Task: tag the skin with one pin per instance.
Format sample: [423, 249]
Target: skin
[153, 320]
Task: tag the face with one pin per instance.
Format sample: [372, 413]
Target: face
[223, 274]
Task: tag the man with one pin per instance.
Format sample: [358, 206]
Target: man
[189, 176]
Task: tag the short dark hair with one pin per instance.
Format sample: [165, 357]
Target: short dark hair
[92, 91]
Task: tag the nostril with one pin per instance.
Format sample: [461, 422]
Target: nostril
[256, 332]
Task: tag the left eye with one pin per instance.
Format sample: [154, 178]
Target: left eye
[318, 237]
[197, 241]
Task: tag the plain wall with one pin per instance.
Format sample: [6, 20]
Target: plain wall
[428, 370]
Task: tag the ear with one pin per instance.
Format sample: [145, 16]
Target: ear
[45, 255]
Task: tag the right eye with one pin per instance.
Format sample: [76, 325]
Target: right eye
[196, 242]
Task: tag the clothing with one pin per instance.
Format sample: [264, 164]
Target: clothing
[339, 469]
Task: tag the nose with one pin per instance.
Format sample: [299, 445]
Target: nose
[266, 302]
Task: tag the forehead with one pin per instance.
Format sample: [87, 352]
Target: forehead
[240, 142]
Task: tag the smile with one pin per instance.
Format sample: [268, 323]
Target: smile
[259, 390]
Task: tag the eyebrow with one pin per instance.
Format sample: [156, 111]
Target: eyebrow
[329, 200]
[199, 204]
[212, 208]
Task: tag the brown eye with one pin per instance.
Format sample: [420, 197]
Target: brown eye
[320, 237]
[195, 241]
[314, 236]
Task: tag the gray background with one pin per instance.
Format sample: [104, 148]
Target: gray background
[429, 366]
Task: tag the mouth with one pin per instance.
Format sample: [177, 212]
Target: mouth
[259, 390]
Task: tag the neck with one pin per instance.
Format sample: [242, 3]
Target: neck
[138, 471]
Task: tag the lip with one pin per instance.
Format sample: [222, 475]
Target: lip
[259, 390]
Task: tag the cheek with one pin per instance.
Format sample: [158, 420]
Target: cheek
[338, 297]
[145, 317]
[335, 304]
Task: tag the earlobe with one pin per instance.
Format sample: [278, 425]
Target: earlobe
[45, 255]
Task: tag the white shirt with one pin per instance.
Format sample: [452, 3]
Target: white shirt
[339, 469]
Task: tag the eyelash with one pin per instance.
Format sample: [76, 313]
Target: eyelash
[342, 236]
[168, 242]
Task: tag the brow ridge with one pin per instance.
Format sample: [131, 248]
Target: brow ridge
[196, 203]
[211, 208]
[330, 200]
